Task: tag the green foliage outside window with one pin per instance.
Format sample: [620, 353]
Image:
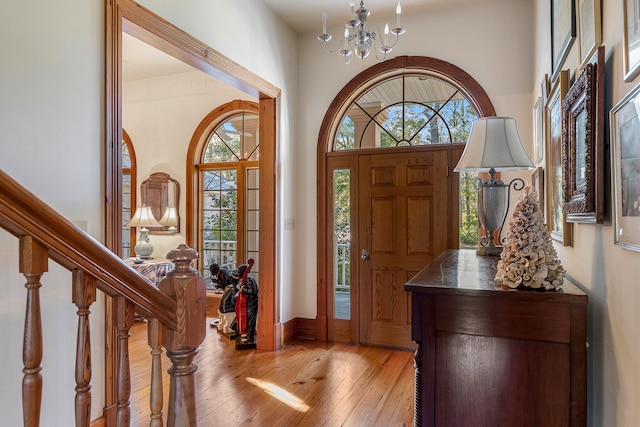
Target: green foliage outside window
[342, 226]
[468, 210]
[220, 205]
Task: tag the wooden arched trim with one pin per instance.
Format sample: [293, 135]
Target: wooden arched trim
[134, 179]
[343, 99]
[194, 154]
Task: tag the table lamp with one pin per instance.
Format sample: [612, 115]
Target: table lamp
[141, 219]
[493, 146]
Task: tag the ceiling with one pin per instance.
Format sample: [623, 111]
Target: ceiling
[306, 15]
[141, 61]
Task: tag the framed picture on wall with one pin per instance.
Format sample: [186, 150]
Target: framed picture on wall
[537, 182]
[557, 224]
[538, 129]
[563, 33]
[583, 145]
[631, 39]
[545, 88]
[625, 168]
[589, 28]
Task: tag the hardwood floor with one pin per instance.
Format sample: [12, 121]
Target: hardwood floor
[304, 384]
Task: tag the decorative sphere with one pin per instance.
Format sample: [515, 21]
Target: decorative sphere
[362, 50]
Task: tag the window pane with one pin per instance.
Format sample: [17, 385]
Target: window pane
[342, 242]
[219, 218]
[345, 136]
[126, 157]
[212, 199]
[234, 139]
[468, 210]
[252, 241]
[252, 218]
[126, 200]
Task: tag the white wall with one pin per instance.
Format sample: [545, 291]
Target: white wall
[51, 122]
[607, 272]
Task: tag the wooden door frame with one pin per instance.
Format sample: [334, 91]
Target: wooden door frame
[328, 128]
[136, 20]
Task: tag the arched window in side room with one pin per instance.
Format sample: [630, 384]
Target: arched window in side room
[226, 151]
[128, 192]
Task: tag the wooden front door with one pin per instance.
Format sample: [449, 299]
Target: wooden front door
[405, 220]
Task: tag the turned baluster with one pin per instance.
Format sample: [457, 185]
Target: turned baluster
[34, 261]
[125, 316]
[154, 334]
[83, 295]
[187, 288]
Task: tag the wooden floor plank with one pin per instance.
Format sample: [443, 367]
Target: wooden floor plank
[307, 383]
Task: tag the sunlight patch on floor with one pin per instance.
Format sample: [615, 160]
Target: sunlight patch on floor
[280, 394]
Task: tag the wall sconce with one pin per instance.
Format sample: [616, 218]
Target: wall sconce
[142, 219]
[494, 145]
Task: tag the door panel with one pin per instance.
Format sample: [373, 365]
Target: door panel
[404, 222]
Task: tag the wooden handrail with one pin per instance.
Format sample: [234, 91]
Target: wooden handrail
[24, 214]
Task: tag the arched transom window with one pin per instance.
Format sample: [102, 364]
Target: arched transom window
[233, 140]
[406, 110]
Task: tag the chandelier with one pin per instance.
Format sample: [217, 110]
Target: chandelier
[361, 40]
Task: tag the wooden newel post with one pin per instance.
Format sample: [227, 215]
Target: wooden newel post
[187, 288]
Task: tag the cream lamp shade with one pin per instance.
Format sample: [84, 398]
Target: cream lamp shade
[494, 142]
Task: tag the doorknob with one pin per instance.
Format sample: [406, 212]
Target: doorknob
[365, 255]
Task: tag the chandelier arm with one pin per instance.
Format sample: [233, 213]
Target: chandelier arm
[340, 45]
[384, 54]
[384, 38]
[395, 42]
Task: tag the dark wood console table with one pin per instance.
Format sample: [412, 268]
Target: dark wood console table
[489, 356]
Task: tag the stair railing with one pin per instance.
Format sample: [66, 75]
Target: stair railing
[176, 310]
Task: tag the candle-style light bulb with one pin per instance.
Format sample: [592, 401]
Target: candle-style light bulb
[398, 12]
[324, 22]
[351, 5]
[386, 34]
[346, 38]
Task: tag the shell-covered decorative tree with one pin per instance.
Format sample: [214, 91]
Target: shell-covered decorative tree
[528, 258]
